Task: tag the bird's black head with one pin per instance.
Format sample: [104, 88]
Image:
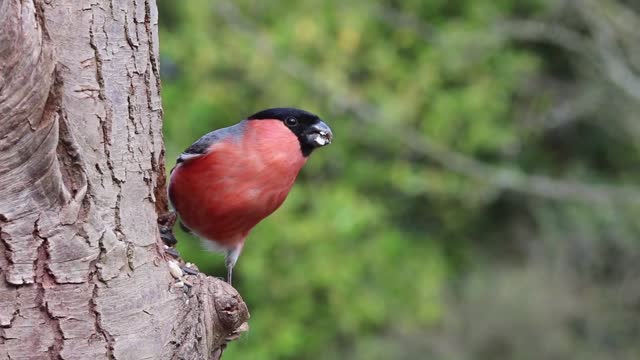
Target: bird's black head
[311, 131]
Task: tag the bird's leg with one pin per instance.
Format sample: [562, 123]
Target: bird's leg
[229, 274]
[231, 258]
[230, 262]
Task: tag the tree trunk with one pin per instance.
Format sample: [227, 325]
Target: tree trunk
[83, 273]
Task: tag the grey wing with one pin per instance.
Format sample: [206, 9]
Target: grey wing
[199, 148]
[202, 145]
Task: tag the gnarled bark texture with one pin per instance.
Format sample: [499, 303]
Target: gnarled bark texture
[82, 271]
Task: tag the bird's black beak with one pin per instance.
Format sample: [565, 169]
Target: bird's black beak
[319, 134]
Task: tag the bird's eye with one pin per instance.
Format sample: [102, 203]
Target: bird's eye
[291, 121]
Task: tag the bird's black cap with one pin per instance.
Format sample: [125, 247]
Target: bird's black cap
[311, 131]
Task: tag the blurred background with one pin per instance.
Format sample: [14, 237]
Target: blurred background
[480, 200]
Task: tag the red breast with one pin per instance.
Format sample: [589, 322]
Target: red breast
[242, 179]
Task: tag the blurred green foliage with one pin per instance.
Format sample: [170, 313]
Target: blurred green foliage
[358, 261]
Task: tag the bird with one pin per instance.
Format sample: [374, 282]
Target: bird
[232, 178]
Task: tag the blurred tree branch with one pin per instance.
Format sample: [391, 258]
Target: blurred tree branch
[502, 177]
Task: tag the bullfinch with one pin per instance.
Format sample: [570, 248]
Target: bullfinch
[231, 178]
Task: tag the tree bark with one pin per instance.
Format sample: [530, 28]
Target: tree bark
[83, 273]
